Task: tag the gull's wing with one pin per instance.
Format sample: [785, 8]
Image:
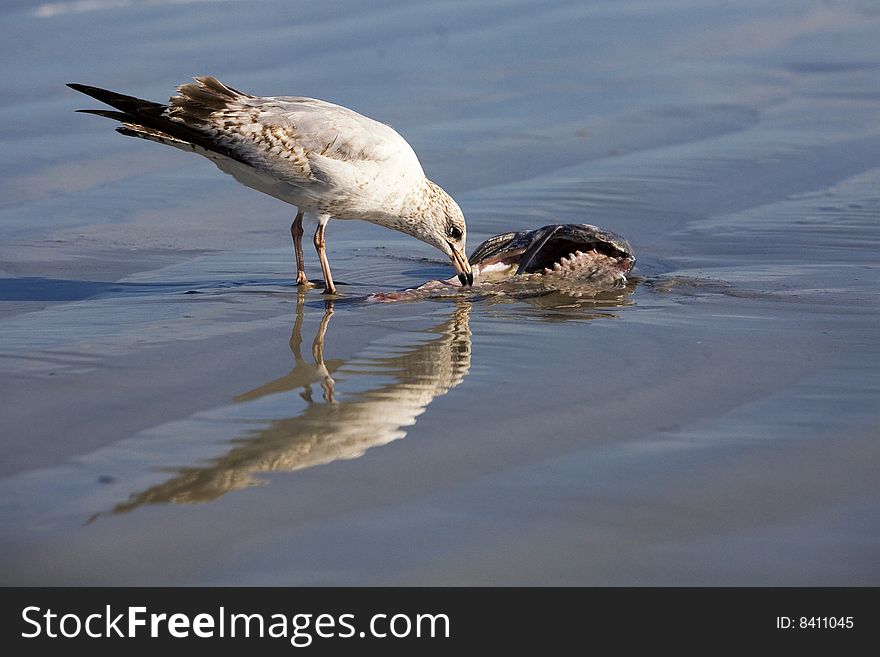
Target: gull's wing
[299, 141]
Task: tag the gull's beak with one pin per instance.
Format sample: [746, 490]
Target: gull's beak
[462, 266]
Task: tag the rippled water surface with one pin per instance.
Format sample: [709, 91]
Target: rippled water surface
[175, 412]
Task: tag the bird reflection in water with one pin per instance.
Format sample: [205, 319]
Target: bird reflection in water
[344, 421]
[336, 426]
[304, 374]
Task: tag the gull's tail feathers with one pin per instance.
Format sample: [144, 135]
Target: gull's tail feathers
[179, 124]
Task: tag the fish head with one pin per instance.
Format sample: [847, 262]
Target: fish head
[575, 252]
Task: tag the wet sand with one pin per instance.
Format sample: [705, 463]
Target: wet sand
[175, 413]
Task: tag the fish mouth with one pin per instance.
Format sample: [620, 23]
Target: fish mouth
[577, 251]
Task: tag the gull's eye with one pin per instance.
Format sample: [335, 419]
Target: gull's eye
[454, 232]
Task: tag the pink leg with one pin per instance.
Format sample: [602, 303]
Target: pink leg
[296, 232]
[320, 244]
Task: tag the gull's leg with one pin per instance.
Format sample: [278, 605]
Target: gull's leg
[320, 247]
[296, 232]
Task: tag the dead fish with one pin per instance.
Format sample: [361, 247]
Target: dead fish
[572, 251]
[570, 256]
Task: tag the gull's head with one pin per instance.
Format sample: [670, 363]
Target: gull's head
[441, 224]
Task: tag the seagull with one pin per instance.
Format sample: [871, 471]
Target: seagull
[327, 160]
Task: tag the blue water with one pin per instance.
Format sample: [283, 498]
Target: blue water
[173, 413]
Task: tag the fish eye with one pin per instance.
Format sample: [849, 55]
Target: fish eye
[454, 232]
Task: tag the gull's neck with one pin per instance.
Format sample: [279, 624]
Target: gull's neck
[420, 213]
[427, 199]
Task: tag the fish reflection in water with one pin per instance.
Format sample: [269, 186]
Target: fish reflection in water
[328, 429]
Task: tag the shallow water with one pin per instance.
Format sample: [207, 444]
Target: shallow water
[174, 412]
